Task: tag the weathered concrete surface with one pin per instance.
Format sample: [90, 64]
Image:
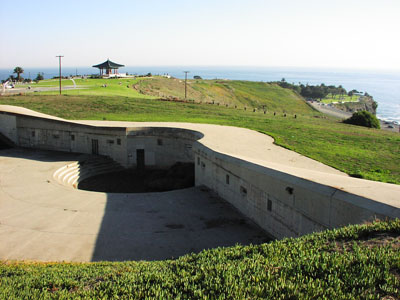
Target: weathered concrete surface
[43, 220]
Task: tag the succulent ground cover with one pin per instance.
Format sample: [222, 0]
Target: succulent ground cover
[354, 262]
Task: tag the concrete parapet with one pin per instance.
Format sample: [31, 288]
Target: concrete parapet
[284, 204]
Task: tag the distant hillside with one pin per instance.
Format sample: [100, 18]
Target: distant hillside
[242, 94]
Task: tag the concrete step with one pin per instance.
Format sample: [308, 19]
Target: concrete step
[71, 174]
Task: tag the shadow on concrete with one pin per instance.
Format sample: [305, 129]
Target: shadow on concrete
[41, 155]
[157, 226]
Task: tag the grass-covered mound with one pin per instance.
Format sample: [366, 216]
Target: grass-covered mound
[355, 262]
[362, 152]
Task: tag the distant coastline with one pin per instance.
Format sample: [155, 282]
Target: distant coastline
[384, 86]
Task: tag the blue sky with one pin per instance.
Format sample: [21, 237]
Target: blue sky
[308, 33]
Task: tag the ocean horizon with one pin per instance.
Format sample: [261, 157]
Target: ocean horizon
[384, 86]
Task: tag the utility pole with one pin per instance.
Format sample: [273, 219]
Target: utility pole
[185, 83]
[59, 63]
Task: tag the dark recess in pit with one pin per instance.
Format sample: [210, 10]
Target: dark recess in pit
[179, 176]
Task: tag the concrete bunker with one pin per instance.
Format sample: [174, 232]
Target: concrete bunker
[157, 159]
[293, 197]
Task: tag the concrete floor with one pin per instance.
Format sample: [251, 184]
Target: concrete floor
[42, 220]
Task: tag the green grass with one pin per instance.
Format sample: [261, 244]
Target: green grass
[337, 98]
[368, 153]
[92, 87]
[355, 262]
[247, 94]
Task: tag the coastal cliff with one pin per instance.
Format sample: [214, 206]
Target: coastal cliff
[365, 103]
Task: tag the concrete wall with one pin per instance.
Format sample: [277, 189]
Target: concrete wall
[163, 146]
[282, 204]
[56, 135]
[8, 126]
[49, 134]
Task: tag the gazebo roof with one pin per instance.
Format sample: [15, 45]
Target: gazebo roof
[108, 64]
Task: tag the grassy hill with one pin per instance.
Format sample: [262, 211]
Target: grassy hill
[355, 262]
[247, 94]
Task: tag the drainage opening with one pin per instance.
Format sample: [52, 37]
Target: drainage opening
[141, 180]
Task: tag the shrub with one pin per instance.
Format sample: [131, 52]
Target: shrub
[363, 118]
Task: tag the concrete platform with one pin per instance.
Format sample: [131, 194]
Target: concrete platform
[43, 220]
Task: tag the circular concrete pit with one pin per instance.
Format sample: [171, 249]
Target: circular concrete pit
[158, 159]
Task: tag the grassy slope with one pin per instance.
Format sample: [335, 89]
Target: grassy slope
[369, 153]
[240, 93]
[355, 262]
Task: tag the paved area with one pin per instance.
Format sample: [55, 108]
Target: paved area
[45, 221]
[331, 111]
[24, 90]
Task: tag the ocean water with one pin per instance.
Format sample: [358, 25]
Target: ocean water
[384, 86]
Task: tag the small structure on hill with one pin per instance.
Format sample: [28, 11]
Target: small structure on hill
[109, 66]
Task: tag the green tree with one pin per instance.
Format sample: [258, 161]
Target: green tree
[18, 71]
[39, 77]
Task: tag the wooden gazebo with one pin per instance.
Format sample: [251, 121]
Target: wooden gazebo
[108, 66]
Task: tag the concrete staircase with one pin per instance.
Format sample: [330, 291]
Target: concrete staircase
[71, 174]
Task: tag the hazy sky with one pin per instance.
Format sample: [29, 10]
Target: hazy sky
[302, 33]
